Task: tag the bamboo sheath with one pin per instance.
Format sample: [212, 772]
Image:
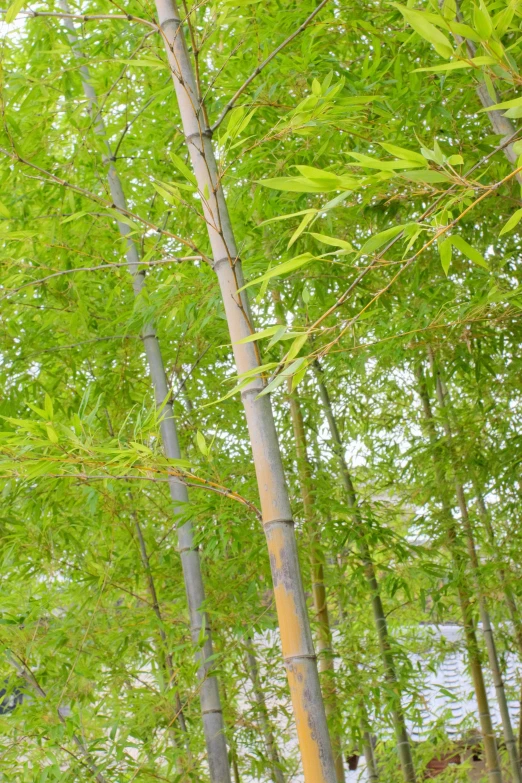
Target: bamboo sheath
[296, 638]
[477, 675]
[399, 724]
[217, 754]
[487, 630]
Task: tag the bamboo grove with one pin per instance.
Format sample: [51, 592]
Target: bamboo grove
[260, 390]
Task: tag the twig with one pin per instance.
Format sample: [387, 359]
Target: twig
[230, 105]
[99, 200]
[87, 17]
[170, 260]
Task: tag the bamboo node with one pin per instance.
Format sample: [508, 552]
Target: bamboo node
[270, 522]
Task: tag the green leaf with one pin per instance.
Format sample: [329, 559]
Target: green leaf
[301, 227]
[202, 443]
[504, 105]
[482, 21]
[49, 407]
[418, 21]
[295, 184]
[470, 252]
[75, 216]
[455, 65]
[380, 239]
[445, 252]
[512, 222]
[428, 175]
[183, 168]
[4, 212]
[384, 165]
[13, 10]
[404, 154]
[268, 332]
[145, 63]
[283, 269]
[333, 241]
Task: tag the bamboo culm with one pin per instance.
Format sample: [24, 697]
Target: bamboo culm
[487, 630]
[399, 723]
[317, 560]
[475, 664]
[509, 596]
[212, 716]
[296, 638]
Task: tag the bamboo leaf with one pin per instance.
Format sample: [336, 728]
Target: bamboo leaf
[512, 222]
[470, 252]
[445, 252]
[13, 10]
[426, 30]
[282, 269]
[333, 242]
[268, 332]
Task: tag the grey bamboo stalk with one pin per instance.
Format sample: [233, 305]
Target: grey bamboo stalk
[324, 633]
[509, 596]
[166, 657]
[369, 757]
[268, 735]
[509, 737]
[212, 715]
[501, 125]
[475, 664]
[399, 723]
[296, 638]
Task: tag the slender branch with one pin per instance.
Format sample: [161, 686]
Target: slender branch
[99, 200]
[87, 17]
[429, 211]
[230, 105]
[170, 260]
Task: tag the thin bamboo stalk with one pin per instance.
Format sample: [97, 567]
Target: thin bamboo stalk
[475, 664]
[212, 715]
[166, 657]
[509, 596]
[500, 124]
[319, 597]
[268, 735]
[369, 757]
[294, 625]
[381, 625]
[509, 737]
[32, 682]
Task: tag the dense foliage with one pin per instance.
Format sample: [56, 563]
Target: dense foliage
[376, 205]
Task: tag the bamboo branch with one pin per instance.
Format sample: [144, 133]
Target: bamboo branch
[232, 102]
[41, 280]
[86, 17]
[99, 200]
